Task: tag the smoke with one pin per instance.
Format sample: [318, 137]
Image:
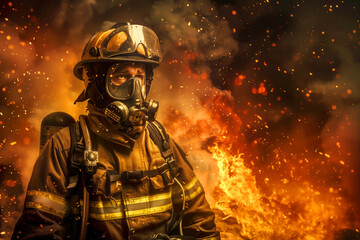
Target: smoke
[331, 59]
[342, 97]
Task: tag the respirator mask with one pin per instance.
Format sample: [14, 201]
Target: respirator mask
[128, 106]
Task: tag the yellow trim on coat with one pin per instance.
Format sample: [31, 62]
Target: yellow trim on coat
[100, 206]
[145, 199]
[46, 202]
[47, 195]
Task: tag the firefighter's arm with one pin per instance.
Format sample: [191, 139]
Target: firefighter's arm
[45, 204]
[199, 219]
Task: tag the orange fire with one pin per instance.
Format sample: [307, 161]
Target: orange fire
[246, 209]
[244, 212]
[250, 201]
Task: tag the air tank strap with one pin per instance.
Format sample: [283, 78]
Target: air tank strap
[83, 163]
[91, 160]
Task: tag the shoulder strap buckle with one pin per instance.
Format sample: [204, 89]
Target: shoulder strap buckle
[91, 161]
[132, 175]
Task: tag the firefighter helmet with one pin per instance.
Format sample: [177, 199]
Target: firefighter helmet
[122, 42]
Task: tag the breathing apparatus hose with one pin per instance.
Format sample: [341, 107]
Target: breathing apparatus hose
[182, 210]
[85, 207]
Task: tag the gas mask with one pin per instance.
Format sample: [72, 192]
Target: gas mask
[129, 107]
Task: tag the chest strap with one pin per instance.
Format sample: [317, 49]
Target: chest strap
[167, 171]
[170, 167]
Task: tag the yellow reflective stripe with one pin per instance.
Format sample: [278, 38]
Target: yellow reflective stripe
[45, 208]
[46, 202]
[192, 189]
[191, 183]
[102, 204]
[148, 211]
[47, 195]
[146, 199]
[104, 210]
[106, 216]
[194, 194]
[129, 214]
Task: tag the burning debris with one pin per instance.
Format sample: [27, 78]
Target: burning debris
[263, 95]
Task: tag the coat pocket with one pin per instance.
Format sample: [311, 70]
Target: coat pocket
[163, 178]
[107, 182]
[100, 182]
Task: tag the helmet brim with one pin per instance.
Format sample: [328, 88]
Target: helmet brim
[122, 58]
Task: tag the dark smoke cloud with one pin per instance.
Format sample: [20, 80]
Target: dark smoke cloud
[317, 44]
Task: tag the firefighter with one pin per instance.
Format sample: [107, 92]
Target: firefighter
[115, 174]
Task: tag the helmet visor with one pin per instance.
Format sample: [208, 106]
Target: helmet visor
[130, 39]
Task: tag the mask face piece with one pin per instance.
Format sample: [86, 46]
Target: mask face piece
[120, 85]
[129, 107]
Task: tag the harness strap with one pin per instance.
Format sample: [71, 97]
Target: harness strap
[82, 162]
[89, 167]
[75, 158]
[161, 139]
[127, 176]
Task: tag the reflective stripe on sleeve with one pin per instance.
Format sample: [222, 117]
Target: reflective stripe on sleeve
[46, 202]
[193, 189]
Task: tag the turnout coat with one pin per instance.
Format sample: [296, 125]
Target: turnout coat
[134, 209]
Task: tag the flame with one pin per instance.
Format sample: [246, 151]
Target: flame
[278, 200]
[246, 209]
[302, 214]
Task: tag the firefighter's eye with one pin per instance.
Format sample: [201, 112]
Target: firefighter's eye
[118, 79]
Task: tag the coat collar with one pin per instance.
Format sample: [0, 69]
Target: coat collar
[99, 125]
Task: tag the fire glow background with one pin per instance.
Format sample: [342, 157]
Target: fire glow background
[263, 95]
